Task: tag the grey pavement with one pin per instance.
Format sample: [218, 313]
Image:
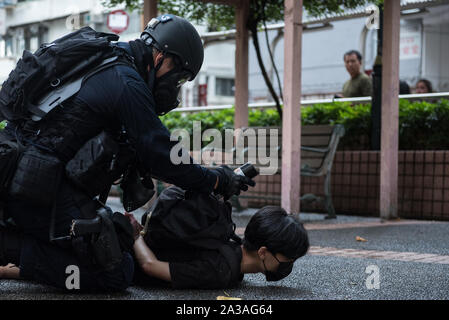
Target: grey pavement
[314, 276]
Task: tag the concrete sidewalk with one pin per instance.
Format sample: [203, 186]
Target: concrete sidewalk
[411, 258]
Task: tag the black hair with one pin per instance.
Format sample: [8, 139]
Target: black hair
[280, 232]
[427, 83]
[358, 54]
[403, 87]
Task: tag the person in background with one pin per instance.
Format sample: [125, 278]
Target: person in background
[423, 86]
[360, 85]
[404, 88]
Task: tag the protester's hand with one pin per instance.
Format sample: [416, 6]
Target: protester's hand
[4, 269]
[230, 183]
[137, 227]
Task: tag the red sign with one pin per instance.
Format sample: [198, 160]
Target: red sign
[118, 21]
[202, 93]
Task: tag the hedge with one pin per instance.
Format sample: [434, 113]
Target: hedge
[422, 125]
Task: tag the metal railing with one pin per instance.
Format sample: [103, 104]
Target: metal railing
[422, 96]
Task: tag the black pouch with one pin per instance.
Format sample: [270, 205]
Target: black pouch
[106, 246]
[98, 164]
[37, 177]
[135, 193]
[9, 155]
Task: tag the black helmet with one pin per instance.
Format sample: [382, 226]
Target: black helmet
[175, 35]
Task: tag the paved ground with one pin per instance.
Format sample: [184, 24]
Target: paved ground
[411, 257]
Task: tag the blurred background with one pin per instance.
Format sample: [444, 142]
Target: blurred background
[25, 24]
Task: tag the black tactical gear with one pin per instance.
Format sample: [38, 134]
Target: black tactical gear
[113, 100]
[176, 37]
[50, 67]
[230, 183]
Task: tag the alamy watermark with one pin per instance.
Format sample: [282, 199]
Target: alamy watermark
[72, 282]
[231, 147]
[373, 279]
[372, 22]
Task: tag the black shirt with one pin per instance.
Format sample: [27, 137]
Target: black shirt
[201, 269]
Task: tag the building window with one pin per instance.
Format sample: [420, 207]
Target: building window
[2, 48]
[8, 47]
[224, 87]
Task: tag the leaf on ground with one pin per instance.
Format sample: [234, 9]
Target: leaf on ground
[227, 298]
[360, 239]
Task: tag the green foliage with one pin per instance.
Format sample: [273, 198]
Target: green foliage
[222, 17]
[2, 125]
[422, 125]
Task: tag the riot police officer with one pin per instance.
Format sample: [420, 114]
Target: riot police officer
[125, 99]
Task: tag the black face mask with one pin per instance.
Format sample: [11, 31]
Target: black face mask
[284, 269]
[166, 89]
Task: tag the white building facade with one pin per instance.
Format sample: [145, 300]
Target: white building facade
[25, 24]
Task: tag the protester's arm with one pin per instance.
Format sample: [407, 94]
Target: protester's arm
[9, 271]
[149, 262]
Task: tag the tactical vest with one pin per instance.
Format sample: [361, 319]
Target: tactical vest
[55, 134]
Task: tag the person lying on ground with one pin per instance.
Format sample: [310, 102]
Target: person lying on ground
[273, 241]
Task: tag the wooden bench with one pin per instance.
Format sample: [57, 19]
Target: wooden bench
[318, 146]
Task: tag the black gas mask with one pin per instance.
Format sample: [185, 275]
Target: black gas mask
[166, 88]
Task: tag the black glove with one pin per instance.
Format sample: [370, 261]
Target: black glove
[230, 183]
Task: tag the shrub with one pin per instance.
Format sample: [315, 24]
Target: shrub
[422, 125]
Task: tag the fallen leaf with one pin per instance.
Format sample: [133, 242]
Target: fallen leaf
[360, 239]
[227, 298]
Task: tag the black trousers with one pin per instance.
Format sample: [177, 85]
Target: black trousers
[46, 262]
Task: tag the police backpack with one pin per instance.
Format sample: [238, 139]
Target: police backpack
[191, 220]
[57, 66]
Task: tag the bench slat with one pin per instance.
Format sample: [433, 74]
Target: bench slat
[315, 141]
[317, 130]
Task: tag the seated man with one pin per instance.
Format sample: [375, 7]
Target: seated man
[272, 243]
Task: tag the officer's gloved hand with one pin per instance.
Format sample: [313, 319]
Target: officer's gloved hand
[230, 183]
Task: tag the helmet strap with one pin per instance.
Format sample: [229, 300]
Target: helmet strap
[143, 56]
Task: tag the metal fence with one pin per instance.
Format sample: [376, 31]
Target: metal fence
[309, 102]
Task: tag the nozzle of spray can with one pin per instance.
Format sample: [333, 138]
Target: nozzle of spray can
[247, 170]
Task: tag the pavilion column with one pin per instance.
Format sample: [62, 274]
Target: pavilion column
[149, 11]
[291, 118]
[241, 65]
[390, 111]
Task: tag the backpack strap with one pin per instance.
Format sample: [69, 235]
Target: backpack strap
[68, 90]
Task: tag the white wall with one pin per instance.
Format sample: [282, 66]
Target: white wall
[436, 48]
[42, 10]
